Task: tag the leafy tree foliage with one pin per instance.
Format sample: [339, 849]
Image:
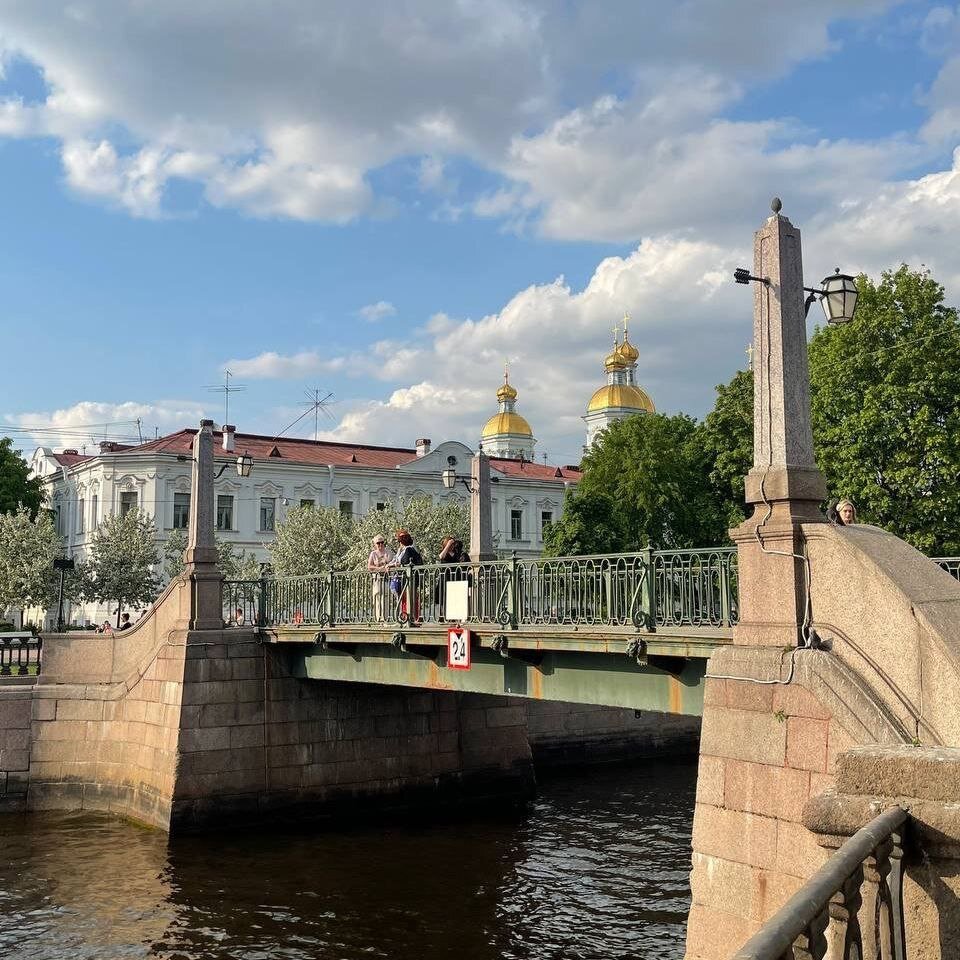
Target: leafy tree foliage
[726, 436]
[16, 485]
[590, 524]
[28, 546]
[310, 540]
[427, 522]
[886, 409]
[655, 470]
[122, 562]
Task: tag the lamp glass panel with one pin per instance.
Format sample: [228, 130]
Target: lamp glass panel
[449, 478]
[839, 298]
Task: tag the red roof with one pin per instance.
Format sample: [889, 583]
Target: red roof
[325, 453]
[70, 459]
[534, 471]
[293, 450]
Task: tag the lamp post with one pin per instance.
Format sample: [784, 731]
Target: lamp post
[784, 484]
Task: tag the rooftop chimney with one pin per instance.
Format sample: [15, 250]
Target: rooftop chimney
[229, 432]
[107, 446]
[423, 447]
[69, 450]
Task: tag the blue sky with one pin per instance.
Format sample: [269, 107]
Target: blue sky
[195, 189]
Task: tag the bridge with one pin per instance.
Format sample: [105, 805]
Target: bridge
[627, 630]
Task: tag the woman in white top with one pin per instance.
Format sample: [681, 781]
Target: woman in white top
[377, 563]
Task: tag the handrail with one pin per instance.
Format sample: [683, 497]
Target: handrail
[20, 654]
[950, 564]
[643, 589]
[873, 854]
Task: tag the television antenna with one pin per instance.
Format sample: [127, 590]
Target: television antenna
[315, 404]
[226, 388]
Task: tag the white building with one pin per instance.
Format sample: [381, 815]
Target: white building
[354, 478]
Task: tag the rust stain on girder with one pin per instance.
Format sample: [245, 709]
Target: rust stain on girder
[536, 683]
[674, 691]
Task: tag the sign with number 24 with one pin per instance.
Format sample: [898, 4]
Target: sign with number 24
[458, 648]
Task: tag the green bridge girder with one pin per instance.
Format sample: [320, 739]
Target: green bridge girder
[664, 673]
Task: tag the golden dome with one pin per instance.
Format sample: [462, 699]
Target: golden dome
[628, 351]
[614, 361]
[506, 392]
[623, 395]
[506, 423]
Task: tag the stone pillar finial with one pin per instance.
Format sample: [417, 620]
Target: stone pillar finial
[481, 517]
[201, 554]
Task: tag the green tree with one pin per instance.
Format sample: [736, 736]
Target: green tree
[427, 522]
[122, 562]
[16, 485]
[28, 546]
[726, 436]
[655, 470]
[310, 540]
[886, 409]
[590, 524]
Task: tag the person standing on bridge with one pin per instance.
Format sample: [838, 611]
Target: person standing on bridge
[407, 556]
[377, 564]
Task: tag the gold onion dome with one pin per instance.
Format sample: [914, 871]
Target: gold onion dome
[628, 351]
[506, 423]
[506, 392]
[626, 396]
[614, 361]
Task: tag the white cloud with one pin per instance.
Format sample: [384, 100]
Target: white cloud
[373, 312]
[272, 366]
[85, 423]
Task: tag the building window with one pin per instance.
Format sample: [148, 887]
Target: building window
[224, 511]
[546, 518]
[308, 503]
[346, 507]
[58, 519]
[516, 524]
[81, 504]
[268, 514]
[94, 511]
[181, 511]
[381, 505]
[128, 502]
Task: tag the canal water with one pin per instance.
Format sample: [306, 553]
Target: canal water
[596, 867]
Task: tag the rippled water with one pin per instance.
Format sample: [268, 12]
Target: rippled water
[596, 867]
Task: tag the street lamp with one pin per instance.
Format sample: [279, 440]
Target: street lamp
[837, 293]
[450, 478]
[244, 464]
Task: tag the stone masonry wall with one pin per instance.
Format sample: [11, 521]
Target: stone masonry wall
[15, 700]
[764, 751]
[570, 734]
[255, 739]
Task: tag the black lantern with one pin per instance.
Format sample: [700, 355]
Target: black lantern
[838, 297]
[244, 464]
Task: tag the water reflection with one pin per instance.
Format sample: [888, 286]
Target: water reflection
[596, 867]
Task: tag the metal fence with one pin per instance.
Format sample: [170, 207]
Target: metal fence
[19, 654]
[950, 564]
[646, 589]
[852, 906]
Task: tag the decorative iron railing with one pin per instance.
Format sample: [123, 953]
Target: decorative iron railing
[950, 564]
[19, 654]
[852, 906]
[647, 589]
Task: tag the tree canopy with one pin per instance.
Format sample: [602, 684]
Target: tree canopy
[122, 561]
[310, 540]
[885, 397]
[234, 563]
[28, 546]
[16, 485]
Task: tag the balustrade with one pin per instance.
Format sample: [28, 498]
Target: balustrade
[852, 906]
[646, 589]
[19, 654]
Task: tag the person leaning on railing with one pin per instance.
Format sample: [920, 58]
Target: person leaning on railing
[378, 563]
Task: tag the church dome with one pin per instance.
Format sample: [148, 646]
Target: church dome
[506, 392]
[628, 351]
[501, 423]
[614, 361]
[624, 396]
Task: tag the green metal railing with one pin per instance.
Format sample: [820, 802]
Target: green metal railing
[647, 589]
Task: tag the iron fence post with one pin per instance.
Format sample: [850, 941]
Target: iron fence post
[330, 603]
[648, 595]
[262, 611]
[513, 596]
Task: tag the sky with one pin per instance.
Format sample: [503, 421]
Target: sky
[387, 201]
